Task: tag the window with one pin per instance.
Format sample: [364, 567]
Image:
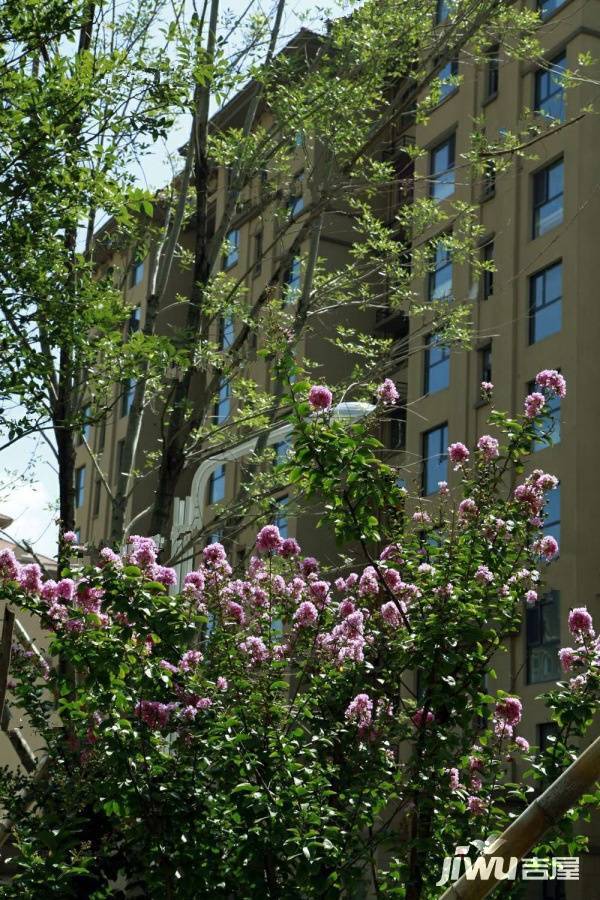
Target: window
[442, 11]
[79, 486]
[547, 7]
[282, 448]
[485, 363]
[437, 366]
[281, 519]
[137, 272]
[232, 252]
[492, 72]
[222, 407]
[549, 90]
[226, 332]
[293, 278]
[97, 496]
[552, 510]
[542, 628]
[435, 458]
[489, 180]
[545, 303]
[296, 200]
[258, 252]
[440, 278]
[550, 427]
[216, 485]
[441, 170]
[545, 731]
[446, 76]
[397, 426]
[135, 318]
[548, 185]
[487, 255]
[119, 458]
[127, 395]
[86, 426]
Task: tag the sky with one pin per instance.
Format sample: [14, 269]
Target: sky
[32, 501]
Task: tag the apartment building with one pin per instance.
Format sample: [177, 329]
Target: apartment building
[537, 310]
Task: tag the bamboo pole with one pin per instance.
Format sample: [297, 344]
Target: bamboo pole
[547, 810]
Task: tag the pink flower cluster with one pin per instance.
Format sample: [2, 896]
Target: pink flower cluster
[458, 455]
[488, 447]
[320, 398]
[388, 393]
[360, 711]
[553, 382]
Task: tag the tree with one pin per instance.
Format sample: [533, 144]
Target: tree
[84, 89]
[261, 733]
[117, 92]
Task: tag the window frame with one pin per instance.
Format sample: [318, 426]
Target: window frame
[554, 404]
[442, 428]
[79, 486]
[447, 89]
[534, 310]
[434, 273]
[548, 73]
[231, 257]
[137, 272]
[128, 386]
[538, 205]
[485, 363]
[213, 480]
[435, 176]
[550, 599]
[428, 365]
[488, 253]
[492, 73]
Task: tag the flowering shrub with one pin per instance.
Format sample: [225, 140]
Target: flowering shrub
[261, 732]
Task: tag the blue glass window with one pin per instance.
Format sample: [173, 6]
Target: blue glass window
[542, 629]
[441, 170]
[435, 458]
[296, 200]
[86, 425]
[232, 252]
[545, 303]
[547, 7]
[446, 76]
[223, 404]
[127, 395]
[551, 425]
[226, 332]
[437, 366]
[548, 189]
[216, 485]
[137, 272]
[293, 279]
[281, 519]
[552, 510]
[442, 11]
[440, 278]
[79, 486]
[549, 90]
[282, 448]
